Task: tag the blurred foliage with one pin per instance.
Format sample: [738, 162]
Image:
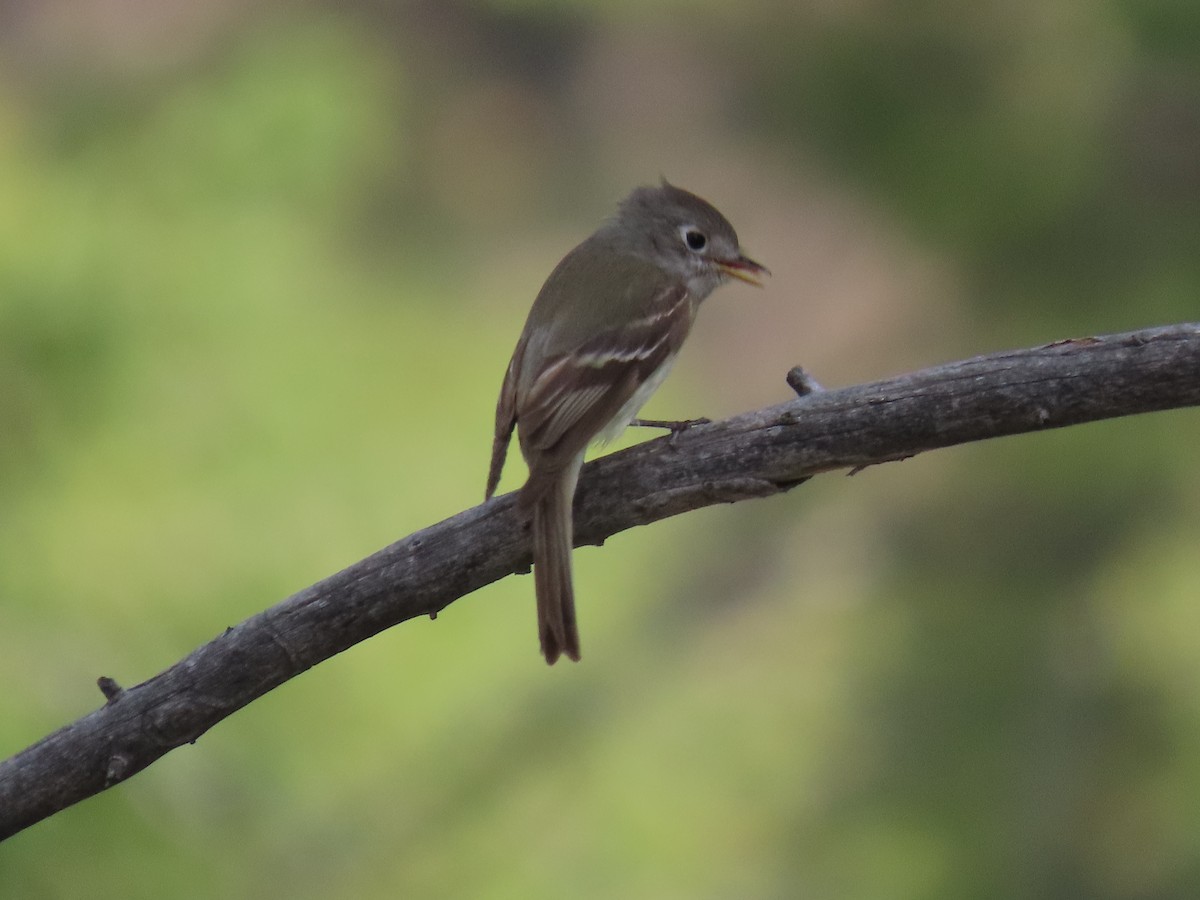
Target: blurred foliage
[259, 276]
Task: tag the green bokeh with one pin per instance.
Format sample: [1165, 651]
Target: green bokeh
[257, 288]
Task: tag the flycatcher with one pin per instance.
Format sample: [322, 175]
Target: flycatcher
[600, 338]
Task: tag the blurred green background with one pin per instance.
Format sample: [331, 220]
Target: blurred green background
[261, 268]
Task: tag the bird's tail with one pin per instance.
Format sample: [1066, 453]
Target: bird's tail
[553, 537]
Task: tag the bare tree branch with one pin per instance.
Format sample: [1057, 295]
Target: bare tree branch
[752, 455]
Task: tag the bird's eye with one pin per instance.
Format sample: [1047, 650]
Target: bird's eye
[694, 239]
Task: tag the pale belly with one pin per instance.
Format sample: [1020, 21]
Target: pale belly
[614, 428]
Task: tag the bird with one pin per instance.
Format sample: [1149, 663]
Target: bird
[601, 336]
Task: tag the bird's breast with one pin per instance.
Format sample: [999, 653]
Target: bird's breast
[613, 429]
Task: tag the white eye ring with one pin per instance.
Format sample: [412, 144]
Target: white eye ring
[693, 238]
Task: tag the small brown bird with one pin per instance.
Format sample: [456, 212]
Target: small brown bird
[599, 340]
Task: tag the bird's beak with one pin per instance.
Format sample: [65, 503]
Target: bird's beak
[744, 269]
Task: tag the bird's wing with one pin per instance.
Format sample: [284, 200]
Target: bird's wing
[506, 419]
[576, 395]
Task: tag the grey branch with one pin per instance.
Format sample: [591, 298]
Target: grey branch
[756, 454]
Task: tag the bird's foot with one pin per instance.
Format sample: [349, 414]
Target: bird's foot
[676, 427]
